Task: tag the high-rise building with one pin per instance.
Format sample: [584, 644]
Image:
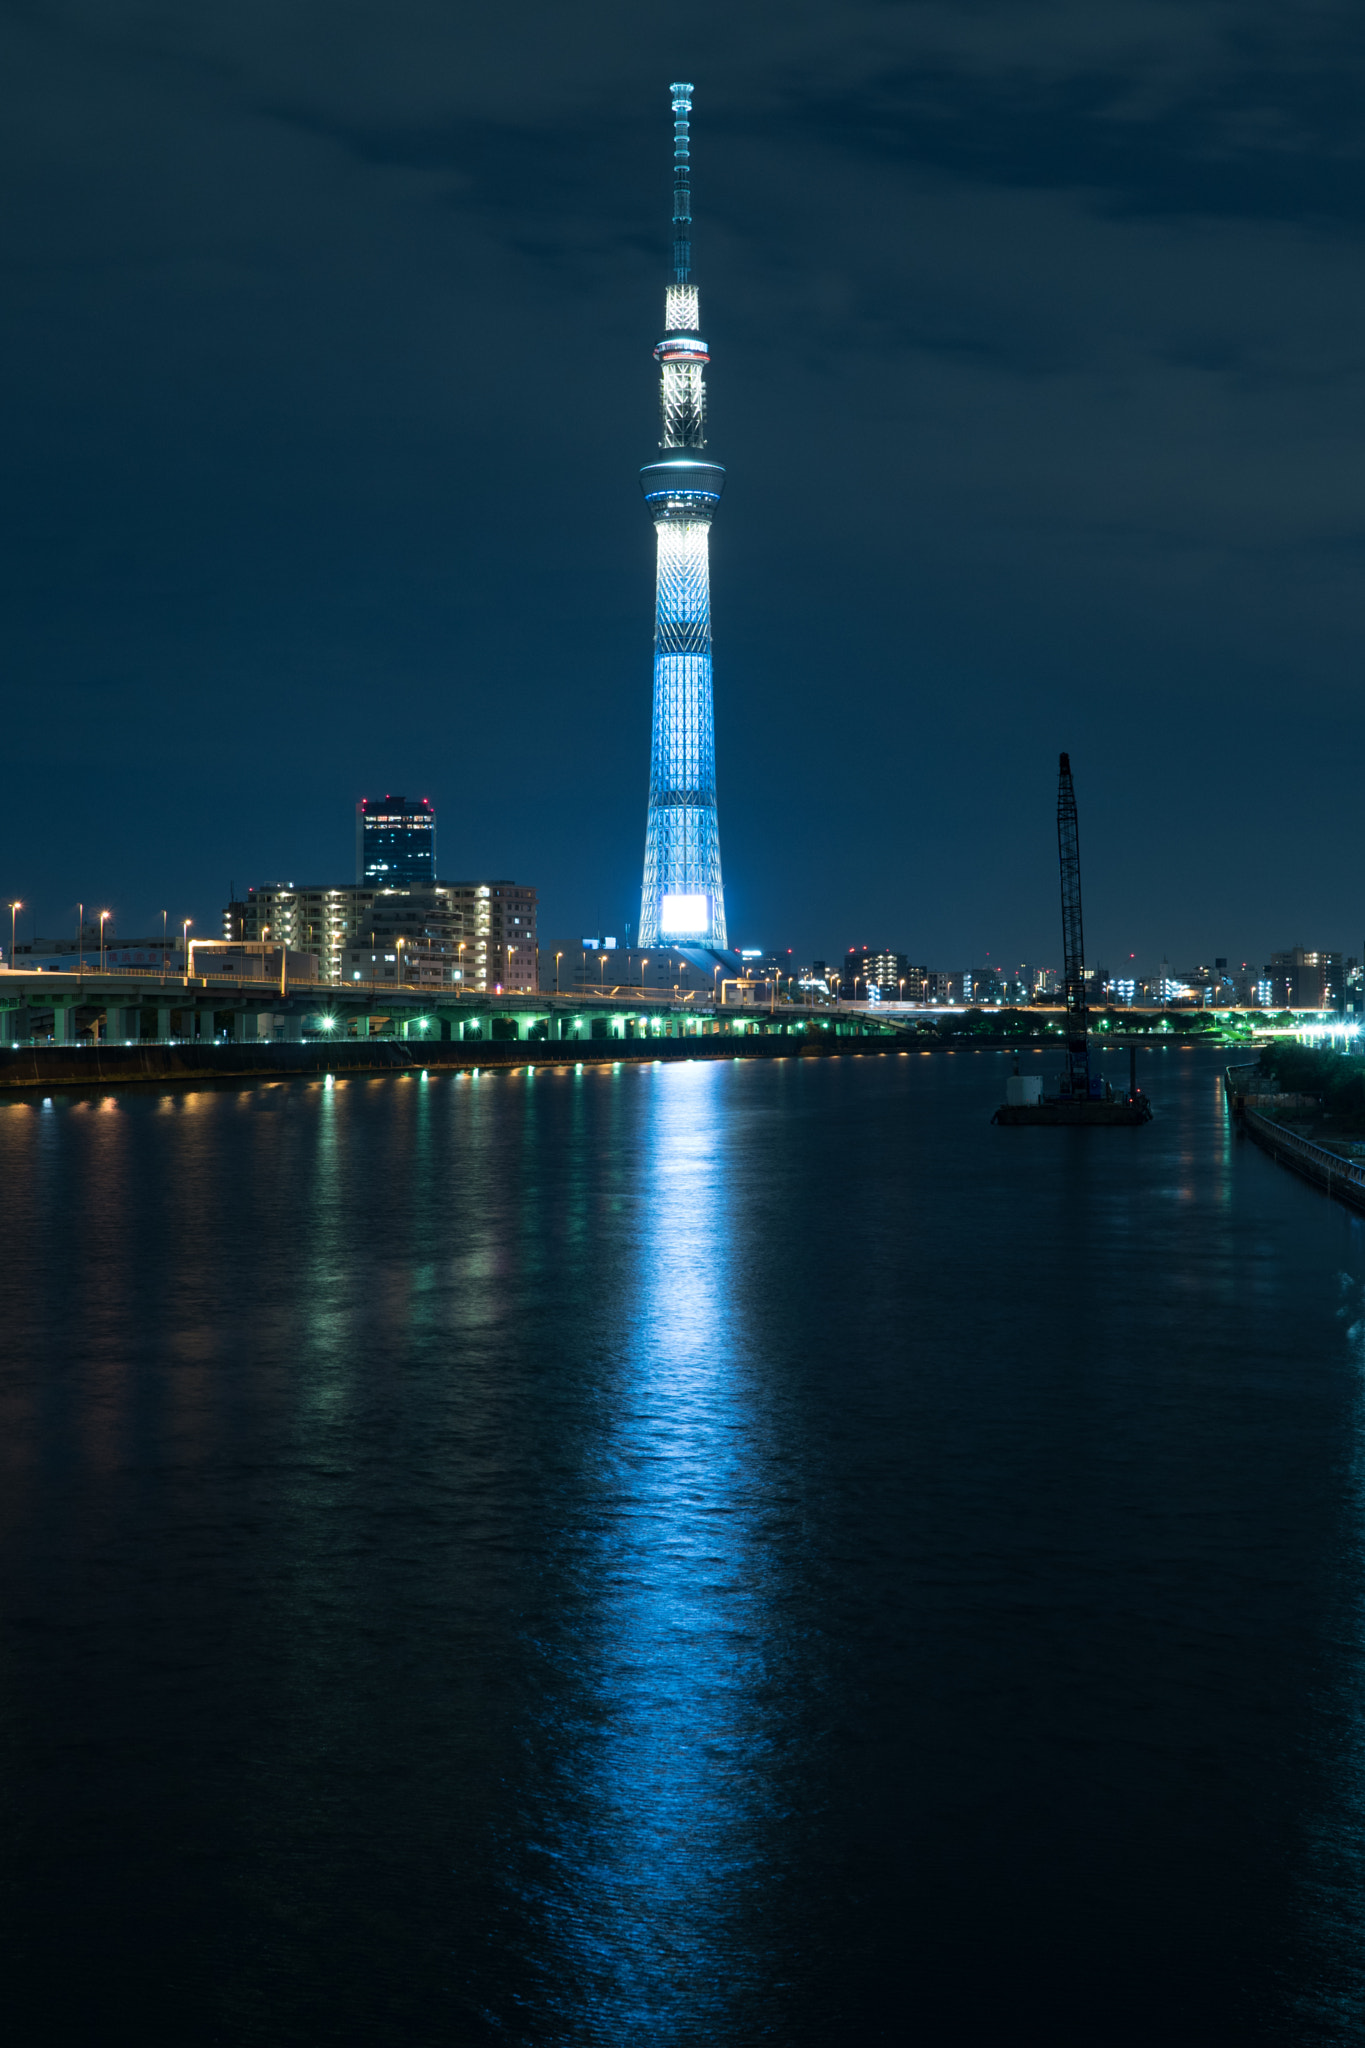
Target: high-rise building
[395, 841]
[894, 977]
[682, 899]
[1307, 980]
[479, 936]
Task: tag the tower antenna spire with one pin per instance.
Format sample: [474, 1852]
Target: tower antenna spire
[682, 183]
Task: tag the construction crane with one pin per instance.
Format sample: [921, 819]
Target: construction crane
[1080, 1098]
[1076, 1078]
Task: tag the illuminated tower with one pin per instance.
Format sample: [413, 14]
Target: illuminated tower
[682, 898]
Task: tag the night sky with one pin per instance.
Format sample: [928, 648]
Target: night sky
[1038, 338]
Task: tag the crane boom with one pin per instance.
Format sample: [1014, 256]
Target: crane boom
[1076, 1080]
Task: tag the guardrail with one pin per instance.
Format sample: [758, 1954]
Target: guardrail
[1325, 1162]
[1337, 1175]
[614, 995]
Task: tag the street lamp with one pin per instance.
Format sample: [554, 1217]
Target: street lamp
[163, 947]
[104, 914]
[185, 947]
[644, 962]
[14, 910]
[80, 938]
[558, 958]
[714, 992]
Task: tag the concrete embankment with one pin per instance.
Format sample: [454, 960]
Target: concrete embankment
[1331, 1171]
[28, 1068]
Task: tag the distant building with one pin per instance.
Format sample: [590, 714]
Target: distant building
[869, 967]
[395, 841]
[1306, 981]
[479, 936]
[63, 956]
[251, 960]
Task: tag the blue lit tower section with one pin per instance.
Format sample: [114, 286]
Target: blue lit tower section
[682, 899]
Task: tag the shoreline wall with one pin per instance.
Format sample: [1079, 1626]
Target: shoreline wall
[24, 1069]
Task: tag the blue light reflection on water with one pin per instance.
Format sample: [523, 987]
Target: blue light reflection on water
[640, 1555]
[661, 1884]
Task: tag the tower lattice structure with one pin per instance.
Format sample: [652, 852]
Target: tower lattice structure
[682, 898]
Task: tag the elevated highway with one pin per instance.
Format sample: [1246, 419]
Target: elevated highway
[128, 1007]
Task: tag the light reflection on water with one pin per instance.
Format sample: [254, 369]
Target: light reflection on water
[702, 1553]
[660, 1885]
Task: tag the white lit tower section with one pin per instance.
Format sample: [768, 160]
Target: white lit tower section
[682, 899]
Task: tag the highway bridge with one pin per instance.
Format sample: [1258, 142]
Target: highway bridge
[126, 1007]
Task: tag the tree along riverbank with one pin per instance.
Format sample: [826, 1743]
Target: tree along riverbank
[1046, 1027]
[1334, 1082]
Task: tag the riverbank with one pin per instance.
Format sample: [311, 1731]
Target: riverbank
[1300, 1129]
[25, 1069]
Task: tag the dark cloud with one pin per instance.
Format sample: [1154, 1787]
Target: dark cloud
[325, 344]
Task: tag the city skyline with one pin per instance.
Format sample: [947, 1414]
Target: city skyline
[269, 379]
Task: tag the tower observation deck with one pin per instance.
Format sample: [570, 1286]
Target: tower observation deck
[682, 899]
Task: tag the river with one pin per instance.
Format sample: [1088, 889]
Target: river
[721, 1552]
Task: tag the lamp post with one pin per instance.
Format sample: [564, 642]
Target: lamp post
[14, 910]
[185, 946]
[463, 944]
[80, 938]
[644, 962]
[602, 970]
[558, 958]
[163, 948]
[104, 915]
[714, 991]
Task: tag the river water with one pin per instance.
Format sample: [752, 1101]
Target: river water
[702, 1553]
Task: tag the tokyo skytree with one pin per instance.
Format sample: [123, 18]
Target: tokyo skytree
[682, 899]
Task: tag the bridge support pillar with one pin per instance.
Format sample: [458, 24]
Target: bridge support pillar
[246, 1025]
[62, 1034]
[163, 1025]
[289, 1028]
[9, 1027]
